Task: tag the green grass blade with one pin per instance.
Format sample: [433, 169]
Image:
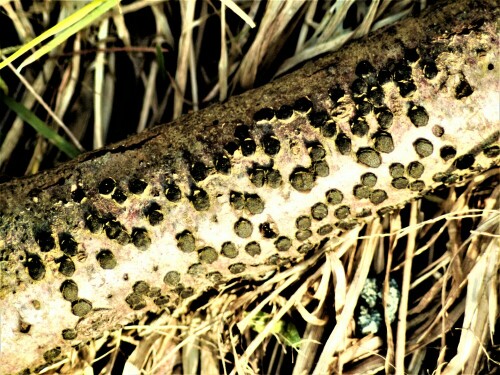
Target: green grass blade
[67, 27]
[3, 86]
[40, 126]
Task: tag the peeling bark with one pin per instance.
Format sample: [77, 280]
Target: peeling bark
[235, 189]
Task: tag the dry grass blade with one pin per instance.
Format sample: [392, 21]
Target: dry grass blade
[185, 48]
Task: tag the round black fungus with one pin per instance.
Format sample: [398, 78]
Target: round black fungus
[400, 183]
[231, 147]
[430, 69]
[283, 243]
[447, 152]
[417, 185]
[78, 195]
[267, 230]
[113, 229]
[336, 93]
[81, 307]
[321, 168]
[384, 117]
[492, 151]
[199, 171]
[222, 163]
[264, 114]
[257, 176]
[135, 301]
[317, 119]
[465, 161]
[343, 143]
[376, 95]
[303, 235]
[364, 68]
[402, 72]
[396, 170]
[384, 76]
[214, 277]
[383, 142]
[248, 147]
[284, 112]
[207, 255]
[378, 196]
[329, 129]
[68, 244]
[302, 180]
[69, 290]
[69, 334]
[271, 144]
[303, 222]
[415, 169]
[185, 241]
[119, 196]
[361, 192]
[93, 223]
[237, 268]
[186, 292]
[346, 225]
[200, 200]
[155, 217]
[369, 157]
[44, 239]
[302, 105]
[107, 186]
[241, 132]
[406, 88]
[369, 179]
[140, 238]
[365, 212]
[66, 266]
[106, 259]
[423, 147]
[236, 200]
[325, 229]
[273, 178]
[52, 354]
[342, 212]
[173, 193]
[137, 186]
[438, 131]
[334, 196]
[463, 89]
[319, 211]
[363, 106]
[411, 55]
[254, 204]
[359, 126]
[229, 250]
[359, 87]
[253, 248]
[305, 248]
[418, 116]
[317, 152]
[243, 228]
[172, 278]
[161, 300]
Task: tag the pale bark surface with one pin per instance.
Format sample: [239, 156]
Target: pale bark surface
[88, 246]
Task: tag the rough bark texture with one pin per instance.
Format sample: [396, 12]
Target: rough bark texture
[237, 188]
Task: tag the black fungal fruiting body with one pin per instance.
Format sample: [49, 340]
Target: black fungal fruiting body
[274, 181]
